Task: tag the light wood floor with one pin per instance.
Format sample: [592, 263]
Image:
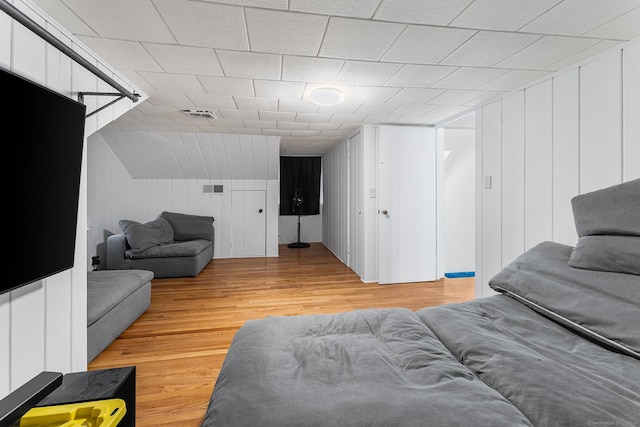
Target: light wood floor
[179, 344]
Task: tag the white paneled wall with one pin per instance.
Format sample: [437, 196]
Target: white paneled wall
[116, 195]
[43, 325]
[575, 132]
[335, 210]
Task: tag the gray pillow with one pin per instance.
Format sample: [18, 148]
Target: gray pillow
[144, 236]
[613, 210]
[189, 227]
[607, 253]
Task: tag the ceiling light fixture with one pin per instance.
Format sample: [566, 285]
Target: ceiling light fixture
[326, 96]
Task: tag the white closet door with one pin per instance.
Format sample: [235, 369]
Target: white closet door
[407, 204]
[248, 223]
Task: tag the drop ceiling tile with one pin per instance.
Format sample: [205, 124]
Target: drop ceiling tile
[205, 101]
[247, 131]
[284, 32]
[304, 132]
[546, 51]
[488, 96]
[249, 64]
[279, 89]
[513, 80]
[430, 12]
[413, 109]
[587, 53]
[259, 124]
[239, 115]
[293, 125]
[185, 59]
[344, 108]
[469, 78]
[410, 46]
[442, 113]
[366, 73]
[313, 117]
[349, 8]
[324, 126]
[106, 19]
[65, 16]
[309, 69]
[457, 97]
[137, 80]
[122, 54]
[372, 94]
[487, 48]
[203, 24]
[261, 104]
[577, 17]
[413, 95]
[419, 75]
[503, 15]
[358, 39]
[291, 106]
[277, 132]
[173, 82]
[626, 27]
[277, 116]
[269, 4]
[376, 108]
[411, 120]
[228, 86]
[374, 119]
[348, 118]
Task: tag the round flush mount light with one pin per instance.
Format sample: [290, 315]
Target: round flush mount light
[326, 96]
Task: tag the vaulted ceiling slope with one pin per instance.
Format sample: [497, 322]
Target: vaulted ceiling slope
[253, 62]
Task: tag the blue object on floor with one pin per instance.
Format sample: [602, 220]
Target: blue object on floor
[458, 274]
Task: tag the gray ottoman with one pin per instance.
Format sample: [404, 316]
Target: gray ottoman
[115, 299]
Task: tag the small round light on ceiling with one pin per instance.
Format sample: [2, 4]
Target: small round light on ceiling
[326, 96]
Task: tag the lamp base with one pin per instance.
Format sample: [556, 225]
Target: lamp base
[298, 245]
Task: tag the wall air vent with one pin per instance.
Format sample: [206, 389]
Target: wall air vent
[201, 114]
[212, 189]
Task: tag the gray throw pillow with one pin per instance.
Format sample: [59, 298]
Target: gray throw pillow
[614, 210]
[189, 227]
[608, 224]
[144, 236]
[619, 254]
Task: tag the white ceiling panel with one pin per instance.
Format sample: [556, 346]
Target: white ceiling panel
[625, 27]
[142, 21]
[185, 59]
[366, 73]
[410, 46]
[253, 62]
[512, 80]
[228, 86]
[249, 64]
[430, 12]
[503, 15]
[347, 8]
[310, 69]
[123, 54]
[358, 39]
[279, 89]
[284, 32]
[419, 75]
[204, 24]
[546, 51]
[487, 48]
[577, 17]
[469, 78]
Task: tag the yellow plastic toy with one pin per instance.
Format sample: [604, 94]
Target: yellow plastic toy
[99, 413]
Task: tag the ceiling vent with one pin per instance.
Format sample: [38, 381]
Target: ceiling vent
[201, 114]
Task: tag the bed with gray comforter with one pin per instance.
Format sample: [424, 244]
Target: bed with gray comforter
[558, 346]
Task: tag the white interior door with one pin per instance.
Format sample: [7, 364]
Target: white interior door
[248, 223]
[407, 204]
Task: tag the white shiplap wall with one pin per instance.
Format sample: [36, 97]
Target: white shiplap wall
[575, 132]
[43, 325]
[335, 229]
[133, 181]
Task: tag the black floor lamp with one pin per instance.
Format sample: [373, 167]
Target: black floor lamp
[297, 206]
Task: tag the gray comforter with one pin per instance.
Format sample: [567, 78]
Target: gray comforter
[495, 361]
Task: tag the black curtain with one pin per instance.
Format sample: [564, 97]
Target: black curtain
[300, 177]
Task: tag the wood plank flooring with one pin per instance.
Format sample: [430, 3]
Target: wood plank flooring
[179, 344]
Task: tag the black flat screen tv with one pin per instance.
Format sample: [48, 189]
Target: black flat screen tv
[43, 142]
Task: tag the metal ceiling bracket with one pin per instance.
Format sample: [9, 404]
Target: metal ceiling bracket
[119, 96]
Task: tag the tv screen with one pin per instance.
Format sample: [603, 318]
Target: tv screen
[43, 142]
